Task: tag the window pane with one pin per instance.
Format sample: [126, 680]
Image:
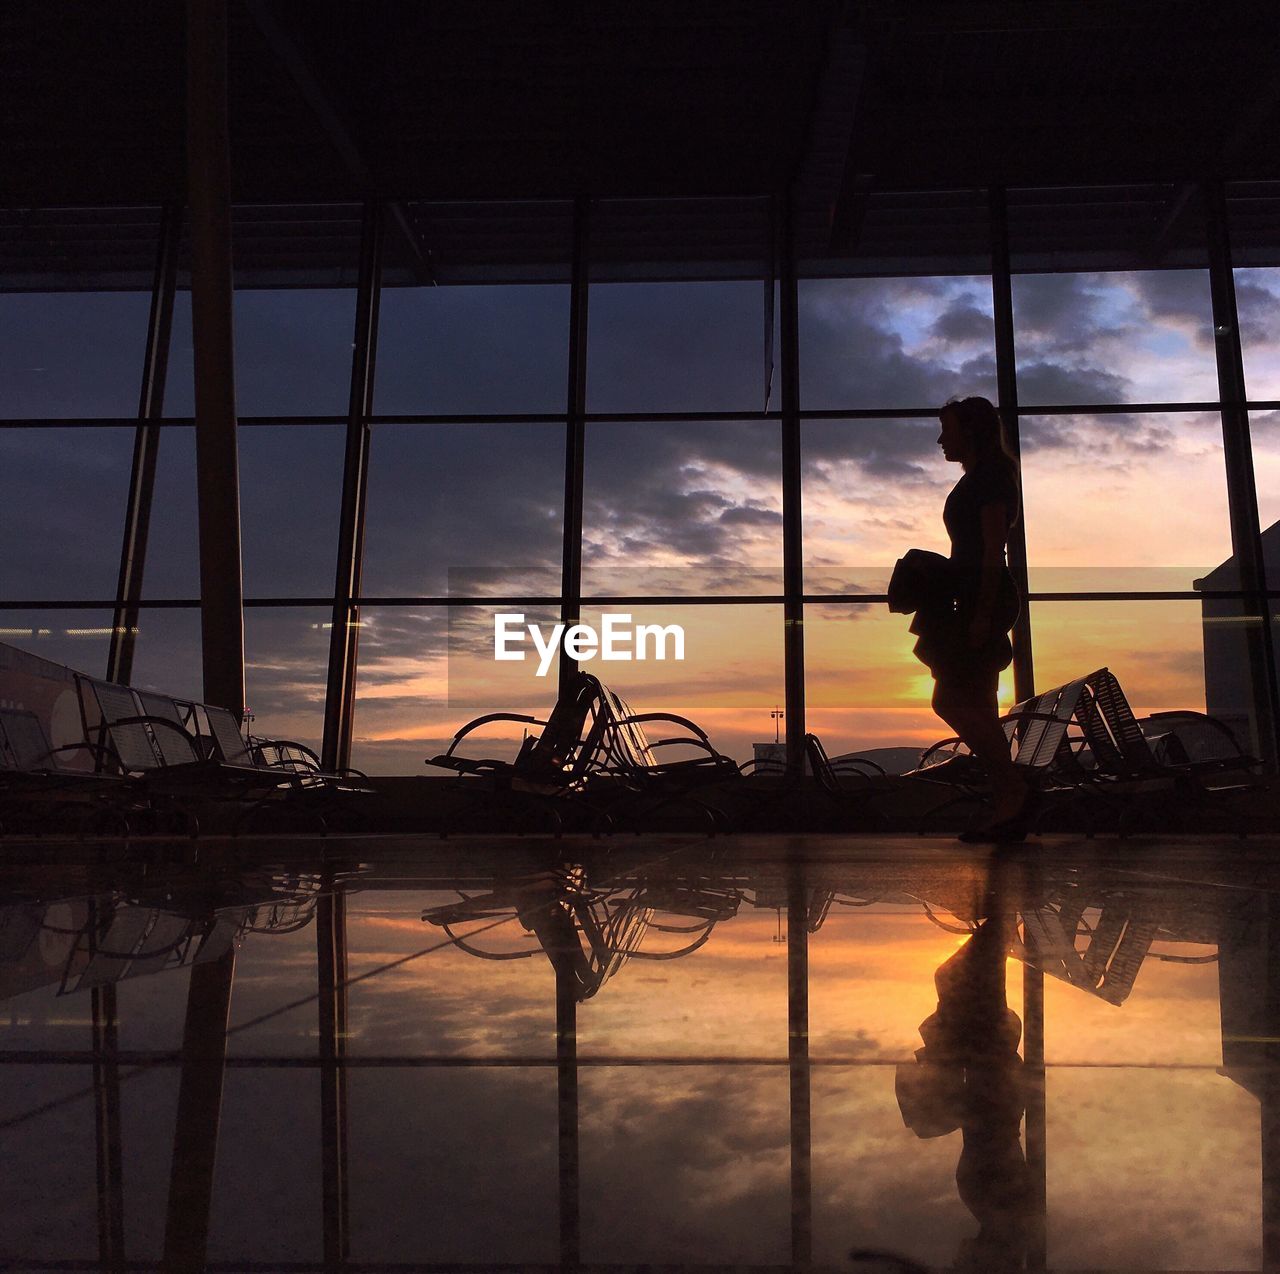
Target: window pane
[77, 639]
[286, 665]
[293, 353]
[865, 689]
[290, 502]
[676, 346]
[69, 354]
[1114, 337]
[1090, 484]
[473, 349]
[453, 498]
[167, 655]
[425, 672]
[905, 342]
[872, 490]
[1156, 649]
[1266, 471]
[62, 506]
[683, 508]
[173, 544]
[1258, 305]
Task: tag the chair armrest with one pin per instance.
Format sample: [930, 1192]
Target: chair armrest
[485, 720]
[667, 716]
[1203, 718]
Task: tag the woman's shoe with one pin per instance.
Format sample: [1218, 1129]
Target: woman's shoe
[1006, 831]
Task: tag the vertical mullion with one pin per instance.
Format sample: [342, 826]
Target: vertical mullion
[339, 704]
[575, 431]
[1007, 395]
[792, 522]
[146, 449]
[1242, 495]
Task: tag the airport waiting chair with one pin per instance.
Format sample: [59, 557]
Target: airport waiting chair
[35, 774]
[1184, 760]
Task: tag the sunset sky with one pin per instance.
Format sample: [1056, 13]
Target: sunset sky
[1118, 501]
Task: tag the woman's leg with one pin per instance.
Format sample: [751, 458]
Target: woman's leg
[969, 708]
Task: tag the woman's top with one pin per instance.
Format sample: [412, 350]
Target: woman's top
[944, 640]
[983, 485]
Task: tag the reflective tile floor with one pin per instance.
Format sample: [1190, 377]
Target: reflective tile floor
[770, 1053]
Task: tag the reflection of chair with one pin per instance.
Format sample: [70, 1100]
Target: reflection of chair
[591, 932]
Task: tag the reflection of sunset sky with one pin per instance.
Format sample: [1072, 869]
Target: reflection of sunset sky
[683, 1160]
[679, 507]
[1153, 1157]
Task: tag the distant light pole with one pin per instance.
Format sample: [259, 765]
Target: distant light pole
[776, 716]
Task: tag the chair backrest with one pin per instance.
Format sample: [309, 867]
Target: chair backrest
[820, 764]
[225, 729]
[560, 749]
[176, 746]
[113, 705]
[1121, 721]
[1041, 739]
[623, 741]
[23, 743]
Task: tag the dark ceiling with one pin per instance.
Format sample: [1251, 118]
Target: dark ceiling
[480, 99]
[886, 120]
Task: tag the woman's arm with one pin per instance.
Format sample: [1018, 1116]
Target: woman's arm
[995, 533]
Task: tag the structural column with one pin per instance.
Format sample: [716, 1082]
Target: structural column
[792, 522]
[146, 449]
[575, 430]
[1242, 495]
[1007, 394]
[344, 634]
[217, 466]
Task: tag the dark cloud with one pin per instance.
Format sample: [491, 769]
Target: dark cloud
[964, 323]
[1257, 306]
[1050, 382]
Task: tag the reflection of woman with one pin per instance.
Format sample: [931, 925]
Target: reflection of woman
[968, 1076]
[967, 662]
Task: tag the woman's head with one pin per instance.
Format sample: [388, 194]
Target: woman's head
[972, 433]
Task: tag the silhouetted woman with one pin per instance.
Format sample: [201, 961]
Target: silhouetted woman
[978, 514]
